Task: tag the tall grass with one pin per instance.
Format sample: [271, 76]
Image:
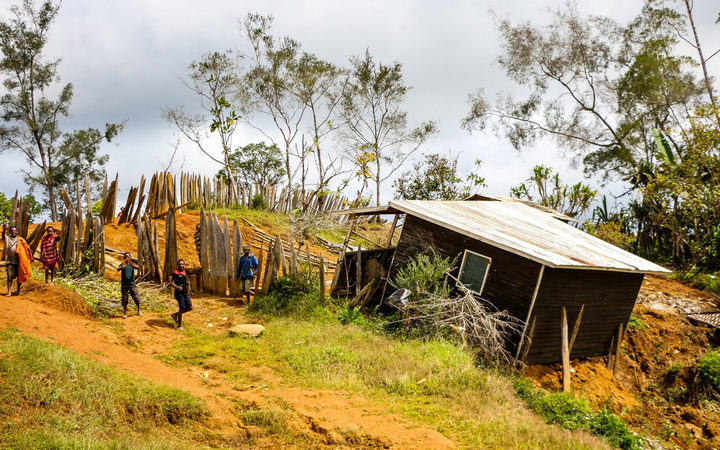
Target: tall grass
[53, 398]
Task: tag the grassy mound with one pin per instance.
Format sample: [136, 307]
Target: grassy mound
[53, 398]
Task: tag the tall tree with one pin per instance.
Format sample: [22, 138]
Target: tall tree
[596, 87]
[216, 80]
[319, 85]
[257, 163]
[31, 116]
[269, 82]
[435, 177]
[376, 132]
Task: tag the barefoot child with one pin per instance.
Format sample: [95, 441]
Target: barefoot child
[127, 284]
[182, 294]
[49, 254]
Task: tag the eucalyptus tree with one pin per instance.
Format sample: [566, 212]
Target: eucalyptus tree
[268, 85]
[320, 85]
[32, 112]
[376, 134]
[595, 87]
[215, 79]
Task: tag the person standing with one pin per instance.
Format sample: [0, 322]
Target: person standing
[18, 259]
[49, 254]
[246, 270]
[127, 283]
[179, 283]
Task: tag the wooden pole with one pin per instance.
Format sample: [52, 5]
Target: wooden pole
[322, 279]
[576, 328]
[358, 271]
[617, 348]
[392, 230]
[528, 339]
[565, 352]
[610, 352]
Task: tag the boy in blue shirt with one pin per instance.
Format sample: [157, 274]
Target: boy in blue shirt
[246, 270]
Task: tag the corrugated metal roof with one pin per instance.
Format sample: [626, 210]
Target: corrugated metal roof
[529, 232]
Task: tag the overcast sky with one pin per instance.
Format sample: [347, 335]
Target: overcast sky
[126, 58]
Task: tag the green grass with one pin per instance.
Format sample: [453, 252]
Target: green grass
[267, 220]
[53, 398]
[572, 413]
[431, 383]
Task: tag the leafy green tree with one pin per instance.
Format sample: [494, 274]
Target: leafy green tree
[678, 212]
[257, 163]
[596, 88]
[376, 134]
[435, 177]
[6, 206]
[545, 188]
[31, 116]
[216, 81]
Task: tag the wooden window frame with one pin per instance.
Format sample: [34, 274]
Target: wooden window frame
[462, 269]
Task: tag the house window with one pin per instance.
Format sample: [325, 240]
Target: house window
[474, 270]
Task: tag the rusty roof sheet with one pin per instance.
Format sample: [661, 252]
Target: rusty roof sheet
[524, 230]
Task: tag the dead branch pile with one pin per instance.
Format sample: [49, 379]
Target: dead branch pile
[474, 321]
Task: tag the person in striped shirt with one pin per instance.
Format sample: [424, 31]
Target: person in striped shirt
[49, 254]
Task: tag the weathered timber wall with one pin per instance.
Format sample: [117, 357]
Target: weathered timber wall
[609, 298]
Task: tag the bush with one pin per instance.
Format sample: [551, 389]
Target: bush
[258, 202]
[289, 294]
[423, 274]
[348, 314]
[709, 370]
[572, 413]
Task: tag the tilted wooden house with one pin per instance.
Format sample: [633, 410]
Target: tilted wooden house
[527, 262]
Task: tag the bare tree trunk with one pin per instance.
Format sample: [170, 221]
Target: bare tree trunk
[708, 84]
[53, 203]
[377, 181]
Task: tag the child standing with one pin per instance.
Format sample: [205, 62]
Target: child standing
[182, 294]
[127, 283]
[49, 254]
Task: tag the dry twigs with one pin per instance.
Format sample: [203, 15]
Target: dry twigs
[475, 321]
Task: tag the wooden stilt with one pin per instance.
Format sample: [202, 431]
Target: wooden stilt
[565, 352]
[617, 349]
[576, 328]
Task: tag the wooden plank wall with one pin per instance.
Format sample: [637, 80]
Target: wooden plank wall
[375, 263]
[609, 298]
[510, 282]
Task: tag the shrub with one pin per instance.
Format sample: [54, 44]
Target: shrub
[423, 274]
[709, 370]
[614, 430]
[258, 202]
[296, 294]
[348, 314]
[572, 413]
